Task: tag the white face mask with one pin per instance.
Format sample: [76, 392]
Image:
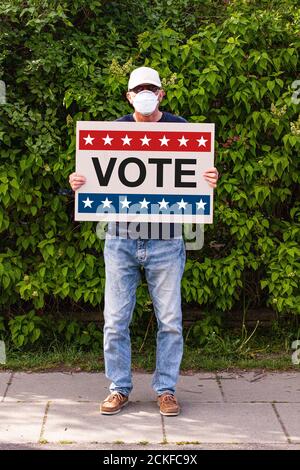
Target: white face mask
[145, 102]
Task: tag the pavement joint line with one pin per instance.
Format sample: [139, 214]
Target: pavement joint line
[8, 385]
[281, 423]
[165, 440]
[99, 446]
[208, 402]
[220, 387]
[169, 443]
[44, 421]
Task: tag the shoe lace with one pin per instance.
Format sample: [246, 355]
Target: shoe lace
[114, 395]
[169, 398]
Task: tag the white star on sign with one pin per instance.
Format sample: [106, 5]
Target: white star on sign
[163, 204]
[88, 203]
[202, 141]
[126, 140]
[89, 140]
[183, 141]
[182, 204]
[107, 140]
[164, 141]
[106, 203]
[201, 204]
[144, 203]
[125, 203]
[145, 140]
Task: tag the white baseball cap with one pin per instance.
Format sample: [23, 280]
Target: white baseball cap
[143, 76]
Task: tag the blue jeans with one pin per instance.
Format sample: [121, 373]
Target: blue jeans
[163, 262]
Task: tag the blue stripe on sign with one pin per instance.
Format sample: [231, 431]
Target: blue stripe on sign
[91, 203]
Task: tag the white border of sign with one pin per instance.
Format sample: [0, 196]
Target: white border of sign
[205, 160]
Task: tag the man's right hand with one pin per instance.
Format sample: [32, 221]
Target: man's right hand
[76, 181]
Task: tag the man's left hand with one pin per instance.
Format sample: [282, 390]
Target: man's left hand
[211, 176]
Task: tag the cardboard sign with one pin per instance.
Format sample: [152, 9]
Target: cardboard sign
[144, 172]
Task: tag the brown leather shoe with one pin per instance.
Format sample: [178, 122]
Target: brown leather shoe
[113, 403]
[168, 404]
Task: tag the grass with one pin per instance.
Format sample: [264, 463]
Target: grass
[184, 443]
[43, 441]
[270, 350]
[63, 358]
[193, 360]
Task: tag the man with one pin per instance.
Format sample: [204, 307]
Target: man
[163, 261]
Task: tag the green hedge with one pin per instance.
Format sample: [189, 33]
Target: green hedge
[232, 63]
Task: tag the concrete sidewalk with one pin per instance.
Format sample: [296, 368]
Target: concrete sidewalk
[222, 410]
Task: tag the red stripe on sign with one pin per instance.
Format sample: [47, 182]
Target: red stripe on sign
[144, 140]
